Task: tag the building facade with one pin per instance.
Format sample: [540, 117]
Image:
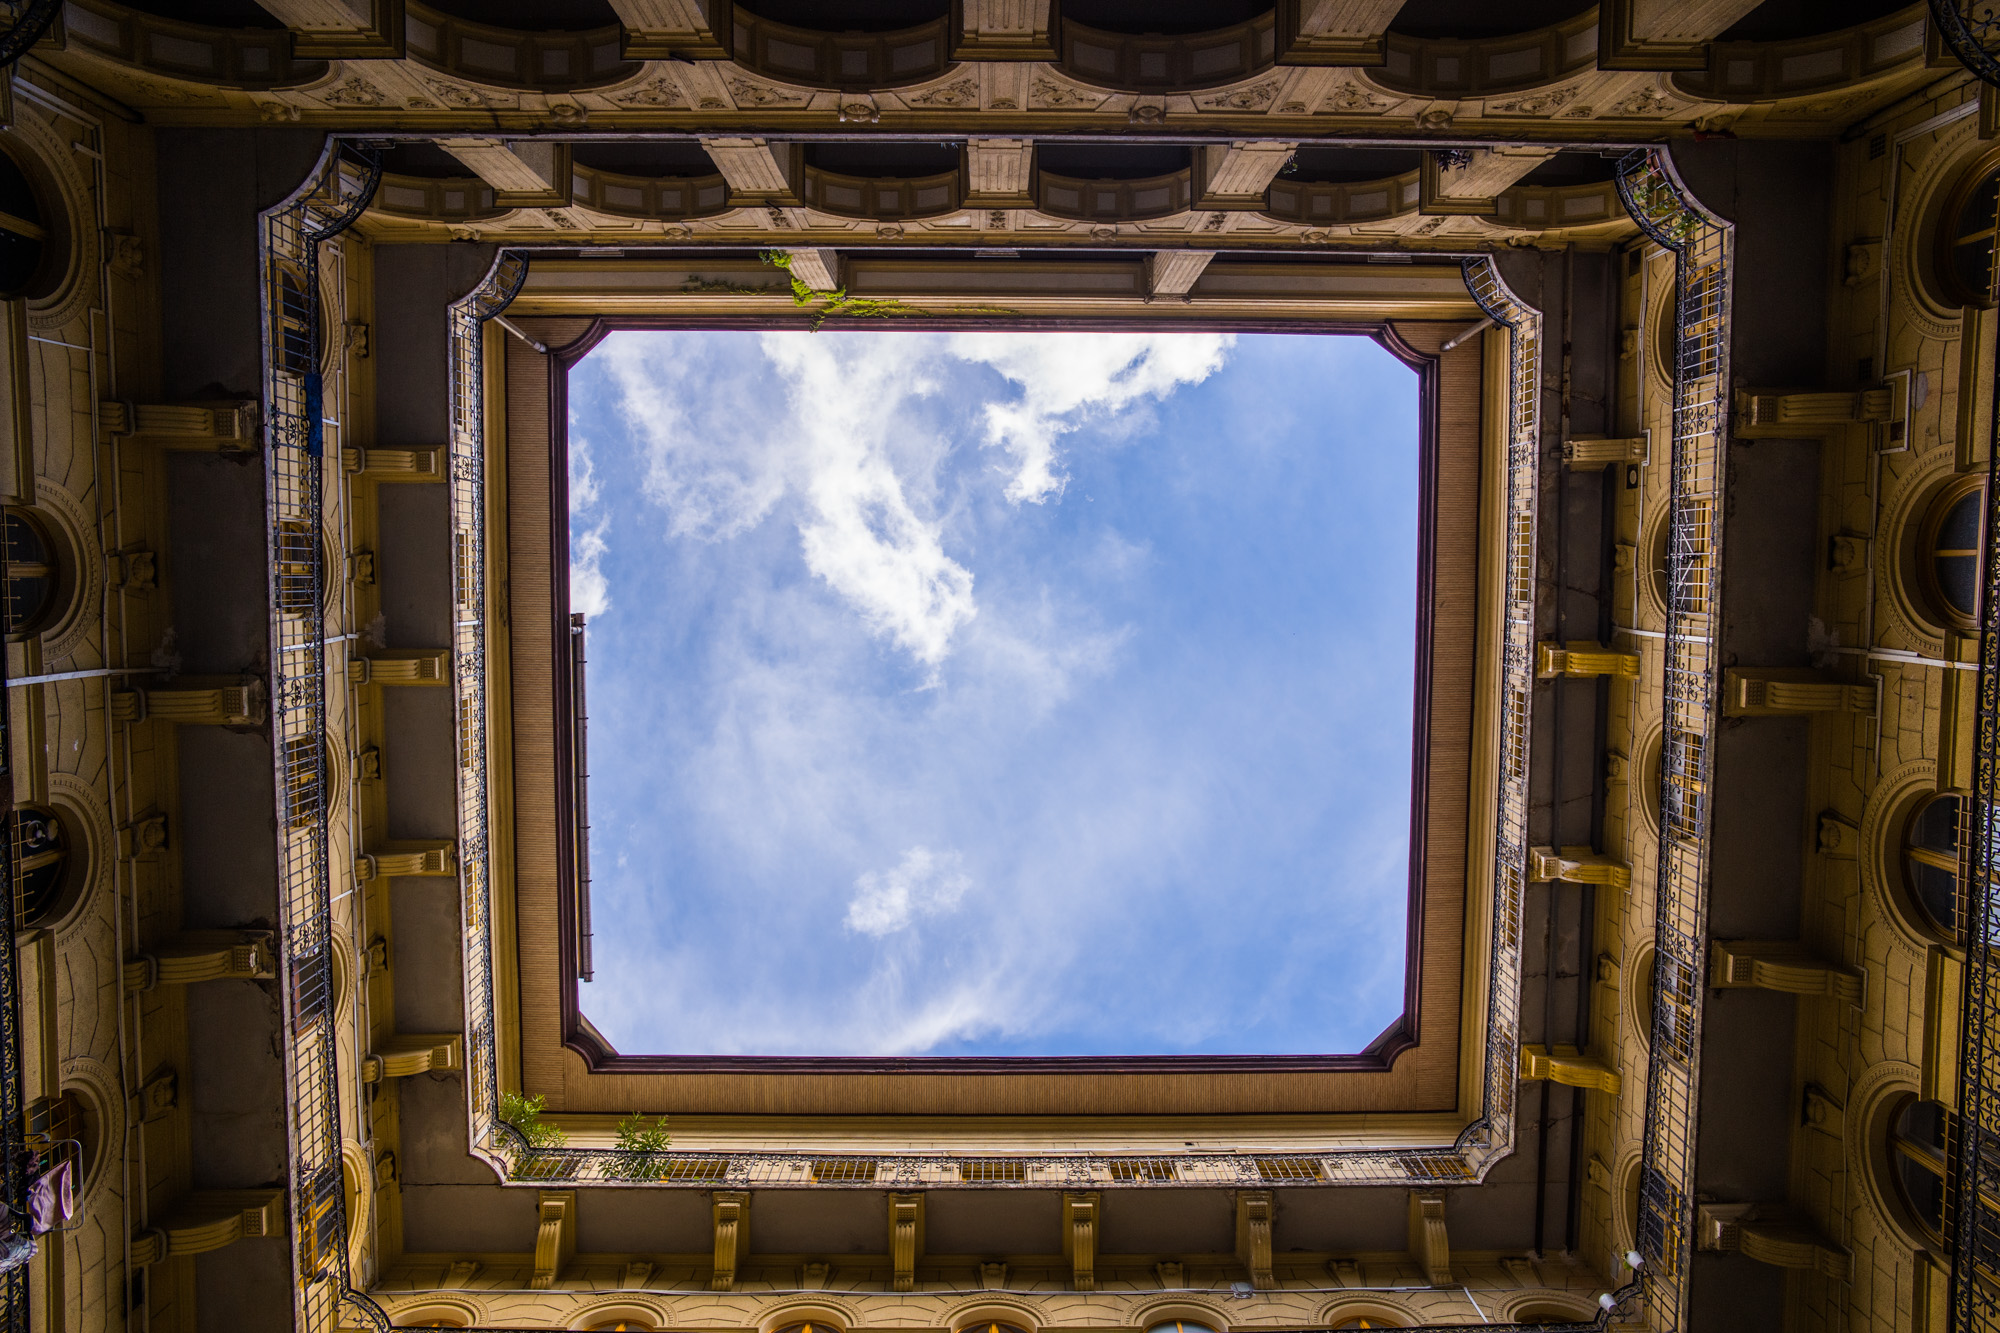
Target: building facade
[1701, 297]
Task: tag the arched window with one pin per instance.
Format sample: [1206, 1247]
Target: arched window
[33, 573]
[42, 871]
[1966, 234]
[294, 319]
[1180, 1326]
[1948, 553]
[1930, 862]
[24, 230]
[1916, 1164]
[990, 1326]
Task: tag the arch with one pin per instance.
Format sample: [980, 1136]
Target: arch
[1635, 978]
[1874, 1095]
[635, 1315]
[97, 1087]
[67, 520]
[1934, 172]
[357, 1184]
[88, 825]
[820, 1312]
[1883, 820]
[1549, 1307]
[436, 1311]
[53, 867]
[973, 1316]
[1380, 1310]
[1645, 774]
[1158, 1312]
[1945, 556]
[35, 238]
[1905, 507]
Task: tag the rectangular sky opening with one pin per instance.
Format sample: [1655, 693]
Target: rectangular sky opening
[996, 694]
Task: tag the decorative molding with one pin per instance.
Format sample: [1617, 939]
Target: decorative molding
[402, 666]
[406, 1055]
[1430, 1243]
[393, 464]
[239, 705]
[217, 425]
[1584, 659]
[1780, 691]
[1568, 1066]
[1781, 965]
[1255, 1212]
[1590, 453]
[1079, 1239]
[730, 1215]
[209, 1220]
[1577, 865]
[555, 1236]
[906, 1239]
[206, 955]
[400, 860]
[1762, 413]
[1769, 1235]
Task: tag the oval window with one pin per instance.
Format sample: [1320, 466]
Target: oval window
[1917, 1164]
[1948, 555]
[42, 877]
[33, 573]
[1966, 233]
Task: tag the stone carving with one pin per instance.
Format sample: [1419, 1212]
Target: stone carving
[960, 92]
[1542, 103]
[568, 114]
[1352, 97]
[1254, 98]
[660, 91]
[747, 93]
[357, 91]
[1645, 102]
[861, 111]
[452, 94]
[1054, 96]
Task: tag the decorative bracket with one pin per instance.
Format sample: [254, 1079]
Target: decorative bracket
[237, 705]
[906, 1238]
[229, 425]
[1568, 1066]
[1782, 691]
[408, 1054]
[731, 1213]
[1775, 1239]
[1593, 453]
[1583, 659]
[1771, 412]
[419, 666]
[1781, 965]
[1079, 1239]
[555, 1236]
[393, 464]
[1577, 865]
[1430, 1244]
[209, 1220]
[402, 860]
[1254, 1209]
[206, 955]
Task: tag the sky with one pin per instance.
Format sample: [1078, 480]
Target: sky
[998, 694]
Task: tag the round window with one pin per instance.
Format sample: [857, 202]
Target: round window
[44, 878]
[1930, 862]
[34, 574]
[24, 231]
[1947, 553]
[1965, 236]
[1917, 1164]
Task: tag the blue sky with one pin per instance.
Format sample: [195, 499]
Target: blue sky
[995, 693]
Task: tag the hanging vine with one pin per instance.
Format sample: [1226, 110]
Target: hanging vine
[827, 303]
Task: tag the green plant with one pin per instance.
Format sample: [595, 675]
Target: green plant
[525, 1114]
[635, 1135]
[835, 300]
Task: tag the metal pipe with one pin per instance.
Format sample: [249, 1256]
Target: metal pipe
[97, 673]
[1468, 335]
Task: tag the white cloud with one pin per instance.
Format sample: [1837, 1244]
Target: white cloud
[1066, 378]
[923, 884]
[589, 590]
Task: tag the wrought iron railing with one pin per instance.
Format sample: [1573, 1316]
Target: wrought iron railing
[296, 465]
[1702, 248]
[1971, 30]
[1487, 1139]
[25, 22]
[13, 1129]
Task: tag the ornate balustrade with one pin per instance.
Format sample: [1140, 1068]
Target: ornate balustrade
[860, 60]
[1173, 62]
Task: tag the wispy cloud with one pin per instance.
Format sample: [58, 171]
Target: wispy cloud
[1068, 378]
[1165, 741]
[589, 592]
[923, 884]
